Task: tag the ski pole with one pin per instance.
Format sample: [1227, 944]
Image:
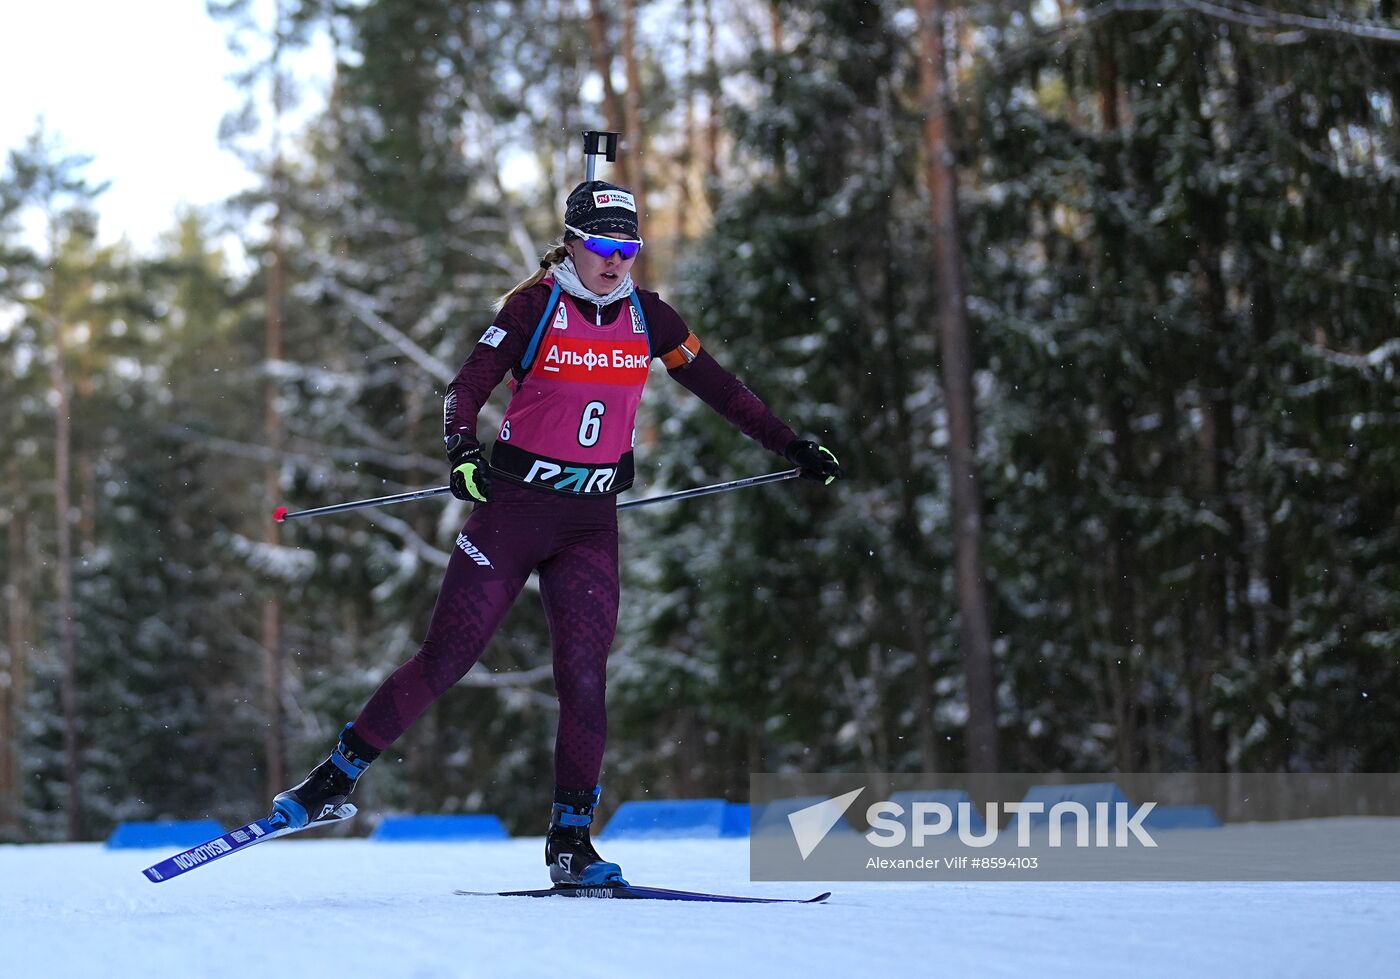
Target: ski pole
[281, 514]
[714, 488]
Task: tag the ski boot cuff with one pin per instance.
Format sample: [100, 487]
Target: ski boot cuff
[353, 754]
[575, 807]
[562, 815]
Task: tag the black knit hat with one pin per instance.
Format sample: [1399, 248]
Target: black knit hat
[600, 208]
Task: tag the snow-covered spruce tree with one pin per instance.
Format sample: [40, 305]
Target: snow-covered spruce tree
[410, 225]
[796, 626]
[1185, 232]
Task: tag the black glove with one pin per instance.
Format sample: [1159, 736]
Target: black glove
[470, 477]
[817, 462]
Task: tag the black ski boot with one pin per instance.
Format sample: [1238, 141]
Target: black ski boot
[568, 850]
[329, 784]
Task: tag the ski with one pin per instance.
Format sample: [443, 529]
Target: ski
[251, 834]
[632, 892]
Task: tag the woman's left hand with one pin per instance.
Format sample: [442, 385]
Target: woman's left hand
[817, 462]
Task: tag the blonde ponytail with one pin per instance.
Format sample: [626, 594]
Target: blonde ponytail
[553, 257]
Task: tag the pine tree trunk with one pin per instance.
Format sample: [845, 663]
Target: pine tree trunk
[634, 137]
[275, 668]
[1120, 667]
[602, 63]
[941, 177]
[14, 687]
[690, 145]
[1269, 620]
[712, 186]
[271, 631]
[8, 725]
[901, 376]
[1218, 443]
[63, 565]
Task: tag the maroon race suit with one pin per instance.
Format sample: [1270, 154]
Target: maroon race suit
[564, 452]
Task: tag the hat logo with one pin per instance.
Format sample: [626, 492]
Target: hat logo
[614, 198]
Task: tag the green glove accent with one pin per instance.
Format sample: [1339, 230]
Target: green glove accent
[817, 462]
[470, 475]
[467, 475]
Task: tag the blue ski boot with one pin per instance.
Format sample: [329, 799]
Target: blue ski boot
[568, 850]
[329, 784]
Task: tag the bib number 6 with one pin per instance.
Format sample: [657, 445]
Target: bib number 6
[591, 426]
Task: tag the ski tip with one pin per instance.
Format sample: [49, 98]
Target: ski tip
[280, 514]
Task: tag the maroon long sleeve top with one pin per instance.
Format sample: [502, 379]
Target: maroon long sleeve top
[704, 377]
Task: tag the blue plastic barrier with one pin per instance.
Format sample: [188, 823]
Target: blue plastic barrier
[736, 820]
[169, 834]
[657, 819]
[950, 798]
[772, 817]
[1181, 817]
[446, 828]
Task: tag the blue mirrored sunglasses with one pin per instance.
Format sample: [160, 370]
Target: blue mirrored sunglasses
[603, 245]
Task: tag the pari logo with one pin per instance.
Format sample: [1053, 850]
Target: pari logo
[575, 479]
[891, 824]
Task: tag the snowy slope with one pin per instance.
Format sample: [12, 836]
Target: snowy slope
[307, 907]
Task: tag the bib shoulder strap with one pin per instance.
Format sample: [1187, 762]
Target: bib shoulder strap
[534, 346]
[641, 313]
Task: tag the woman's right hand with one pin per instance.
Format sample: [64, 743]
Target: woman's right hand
[470, 475]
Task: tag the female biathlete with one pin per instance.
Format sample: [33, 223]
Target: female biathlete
[577, 338]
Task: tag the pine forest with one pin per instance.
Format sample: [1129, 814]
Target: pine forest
[1097, 302]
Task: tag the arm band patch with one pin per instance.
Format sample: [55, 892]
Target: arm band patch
[683, 354]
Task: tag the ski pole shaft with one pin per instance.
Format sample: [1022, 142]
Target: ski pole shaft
[281, 515]
[714, 488]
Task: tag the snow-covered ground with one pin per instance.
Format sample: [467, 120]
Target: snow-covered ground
[345, 908]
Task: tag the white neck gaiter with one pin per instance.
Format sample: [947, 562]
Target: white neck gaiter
[567, 276]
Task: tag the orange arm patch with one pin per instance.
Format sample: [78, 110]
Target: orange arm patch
[683, 354]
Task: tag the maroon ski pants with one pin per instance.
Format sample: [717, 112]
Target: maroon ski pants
[572, 543]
